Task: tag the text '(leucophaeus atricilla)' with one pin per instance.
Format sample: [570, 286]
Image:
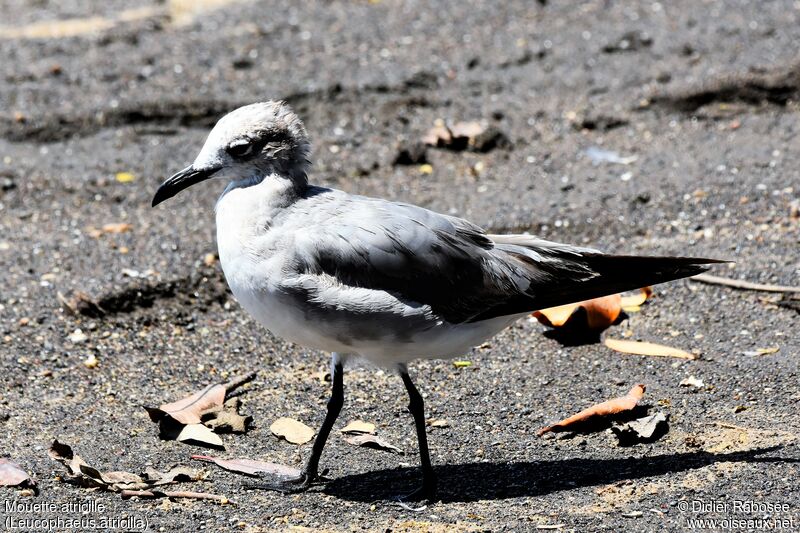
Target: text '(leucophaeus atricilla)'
[365, 277]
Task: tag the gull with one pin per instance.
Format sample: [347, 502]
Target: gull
[387, 282]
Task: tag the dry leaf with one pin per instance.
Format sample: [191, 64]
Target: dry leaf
[176, 474]
[641, 430]
[359, 426]
[467, 134]
[199, 435]
[122, 479]
[633, 302]
[117, 227]
[292, 430]
[647, 348]
[80, 303]
[12, 475]
[180, 420]
[692, 381]
[466, 130]
[227, 419]
[600, 313]
[63, 454]
[371, 441]
[610, 407]
[462, 364]
[189, 409]
[597, 314]
[438, 136]
[763, 351]
[438, 423]
[250, 467]
[228, 422]
[84, 475]
[124, 177]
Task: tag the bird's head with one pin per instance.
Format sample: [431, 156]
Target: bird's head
[248, 145]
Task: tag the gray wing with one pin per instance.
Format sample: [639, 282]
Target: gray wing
[422, 257]
[368, 254]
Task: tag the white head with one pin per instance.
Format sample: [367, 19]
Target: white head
[250, 144]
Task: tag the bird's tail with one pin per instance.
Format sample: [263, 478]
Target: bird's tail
[617, 273]
[564, 274]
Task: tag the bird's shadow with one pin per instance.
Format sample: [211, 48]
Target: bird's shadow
[496, 481]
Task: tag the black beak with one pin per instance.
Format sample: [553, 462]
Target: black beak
[183, 179]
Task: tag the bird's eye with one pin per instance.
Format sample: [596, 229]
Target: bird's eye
[240, 150]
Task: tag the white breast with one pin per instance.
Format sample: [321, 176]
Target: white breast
[249, 252]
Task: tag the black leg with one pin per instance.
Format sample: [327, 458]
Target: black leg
[417, 407]
[311, 471]
[334, 408]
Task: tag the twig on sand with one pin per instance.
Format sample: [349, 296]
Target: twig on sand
[741, 284]
[174, 494]
[235, 383]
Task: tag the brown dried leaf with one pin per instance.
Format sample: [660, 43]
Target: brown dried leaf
[183, 420]
[189, 409]
[227, 419]
[647, 348]
[250, 467]
[228, 422]
[80, 303]
[84, 475]
[358, 426]
[119, 480]
[292, 430]
[464, 135]
[176, 474]
[12, 475]
[371, 441]
[63, 454]
[607, 408]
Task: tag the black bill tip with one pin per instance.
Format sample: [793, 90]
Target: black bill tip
[180, 181]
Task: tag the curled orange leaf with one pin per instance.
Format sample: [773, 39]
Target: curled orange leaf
[600, 312]
[607, 408]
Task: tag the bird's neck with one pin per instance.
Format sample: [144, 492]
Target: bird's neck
[273, 189]
[247, 211]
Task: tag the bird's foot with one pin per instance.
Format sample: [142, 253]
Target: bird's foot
[290, 485]
[424, 495]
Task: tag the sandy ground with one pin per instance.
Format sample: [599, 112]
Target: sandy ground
[703, 94]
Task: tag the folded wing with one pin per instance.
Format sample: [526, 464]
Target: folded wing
[453, 267]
